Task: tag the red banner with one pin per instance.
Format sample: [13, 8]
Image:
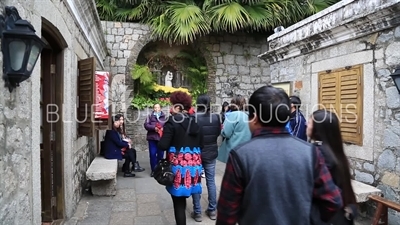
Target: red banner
[102, 93]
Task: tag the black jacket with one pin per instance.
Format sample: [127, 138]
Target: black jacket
[331, 164]
[178, 133]
[211, 125]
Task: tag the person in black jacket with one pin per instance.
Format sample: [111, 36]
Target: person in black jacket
[211, 125]
[324, 131]
[183, 140]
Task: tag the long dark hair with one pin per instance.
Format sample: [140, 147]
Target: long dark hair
[225, 104]
[326, 128]
[120, 129]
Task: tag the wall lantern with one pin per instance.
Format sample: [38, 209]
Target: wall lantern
[20, 46]
[396, 78]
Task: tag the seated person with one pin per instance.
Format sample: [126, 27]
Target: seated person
[116, 148]
[122, 131]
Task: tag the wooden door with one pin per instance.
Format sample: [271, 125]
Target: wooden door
[49, 122]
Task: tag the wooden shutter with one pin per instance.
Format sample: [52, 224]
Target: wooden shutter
[341, 91]
[328, 91]
[350, 103]
[86, 90]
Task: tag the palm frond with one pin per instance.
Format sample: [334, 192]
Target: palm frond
[129, 14]
[183, 21]
[160, 26]
[260, 17]
[229, 17]
[187, 22]
[106, 9]
[142, 73]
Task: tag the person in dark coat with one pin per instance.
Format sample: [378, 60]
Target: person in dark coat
[323, 129]
[154, 125]
[297, 121]
[211, 125]
[183, 141]
[118, 148]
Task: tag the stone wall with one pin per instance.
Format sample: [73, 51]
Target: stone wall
[81, 161]
[324, 42]
[238, 70]
[20, 171]
[19, 177]
[231, 59]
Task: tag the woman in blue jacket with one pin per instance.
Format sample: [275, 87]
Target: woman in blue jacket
[235, 129]
[118, 148]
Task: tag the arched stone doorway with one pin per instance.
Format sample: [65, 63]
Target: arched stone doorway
[147, 39]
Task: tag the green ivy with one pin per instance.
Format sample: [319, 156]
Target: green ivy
[141, 102]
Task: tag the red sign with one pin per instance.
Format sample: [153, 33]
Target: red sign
[102, 93]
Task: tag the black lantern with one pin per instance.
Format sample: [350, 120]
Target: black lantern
[21, 48]
[396, 78]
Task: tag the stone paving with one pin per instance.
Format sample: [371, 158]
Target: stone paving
[139, 201]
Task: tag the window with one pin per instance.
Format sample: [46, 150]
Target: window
[341, 92]
[86, 90]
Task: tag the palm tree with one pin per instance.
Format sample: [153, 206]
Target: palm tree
[182, 21]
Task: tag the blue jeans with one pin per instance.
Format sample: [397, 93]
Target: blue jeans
[209, 170]
[155, 154]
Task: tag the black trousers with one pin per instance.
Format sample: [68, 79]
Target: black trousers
[179, 210]
[130, 157]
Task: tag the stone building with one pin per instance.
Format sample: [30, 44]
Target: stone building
[341, 59]
[231, 60]
[43, 159]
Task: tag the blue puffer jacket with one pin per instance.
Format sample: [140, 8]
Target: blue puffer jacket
[235, 131]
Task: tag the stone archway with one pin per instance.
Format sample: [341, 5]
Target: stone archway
[125, 41]
[146, 39]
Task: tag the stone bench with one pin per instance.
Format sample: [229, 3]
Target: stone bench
[102, 173]
[363, 191]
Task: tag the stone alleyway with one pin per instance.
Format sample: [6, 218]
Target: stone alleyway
[139, 201]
